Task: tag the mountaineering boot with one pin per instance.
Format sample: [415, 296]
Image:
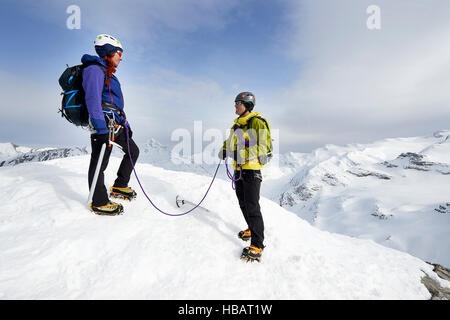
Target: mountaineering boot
[245, 235]
[123, 193]
[109, 209]
[251, 254]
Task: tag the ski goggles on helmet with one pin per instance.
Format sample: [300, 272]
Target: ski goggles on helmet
[236, 103]
[119, 53]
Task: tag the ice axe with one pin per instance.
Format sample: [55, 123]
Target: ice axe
[97, 171]
[180, 202]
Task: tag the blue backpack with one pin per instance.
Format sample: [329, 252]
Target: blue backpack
[73, 105]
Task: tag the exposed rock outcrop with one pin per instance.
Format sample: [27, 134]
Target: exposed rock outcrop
[436, 290]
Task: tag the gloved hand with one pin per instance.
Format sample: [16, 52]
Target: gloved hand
[222, 154]
[263, 159]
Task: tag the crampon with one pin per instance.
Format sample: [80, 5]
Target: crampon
[250, 254]
[123, 193]
[109, 209]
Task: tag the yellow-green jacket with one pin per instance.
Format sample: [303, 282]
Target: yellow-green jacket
[247, 144]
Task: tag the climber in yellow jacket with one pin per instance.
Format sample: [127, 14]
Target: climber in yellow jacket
[250, 145]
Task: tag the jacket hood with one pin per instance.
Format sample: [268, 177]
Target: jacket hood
[88, 59]
[243, 120]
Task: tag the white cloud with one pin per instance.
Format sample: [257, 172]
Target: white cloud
[382, 81]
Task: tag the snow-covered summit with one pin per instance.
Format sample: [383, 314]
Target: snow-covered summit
[54, 247]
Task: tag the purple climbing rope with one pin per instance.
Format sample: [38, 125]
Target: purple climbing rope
[140, 184]
[231, 176]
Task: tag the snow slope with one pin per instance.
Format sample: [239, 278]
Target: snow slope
[53, 247]
[393, 191]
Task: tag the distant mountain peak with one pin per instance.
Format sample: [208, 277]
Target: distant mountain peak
[441, 133]
[153, 144]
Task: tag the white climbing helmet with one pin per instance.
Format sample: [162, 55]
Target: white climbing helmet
[106, 44]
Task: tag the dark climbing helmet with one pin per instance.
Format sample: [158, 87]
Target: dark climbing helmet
[247, 98]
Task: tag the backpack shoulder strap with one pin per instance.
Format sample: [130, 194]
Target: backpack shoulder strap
[268, 128]
[249, 122]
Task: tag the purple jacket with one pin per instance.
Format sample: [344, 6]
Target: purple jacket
[96, 92]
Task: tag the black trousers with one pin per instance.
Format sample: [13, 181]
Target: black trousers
[247, 191]
[100, 196]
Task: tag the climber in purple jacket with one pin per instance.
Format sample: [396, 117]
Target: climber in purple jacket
[104, 101]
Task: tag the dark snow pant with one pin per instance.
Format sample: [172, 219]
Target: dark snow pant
[247, 191]
[100, 196]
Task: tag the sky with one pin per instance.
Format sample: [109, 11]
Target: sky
[320, 74]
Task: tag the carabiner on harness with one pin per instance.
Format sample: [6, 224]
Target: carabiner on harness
[113, 127]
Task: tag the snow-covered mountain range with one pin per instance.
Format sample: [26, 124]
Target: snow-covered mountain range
[393, 191]
[12, 154]
[376, 212]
